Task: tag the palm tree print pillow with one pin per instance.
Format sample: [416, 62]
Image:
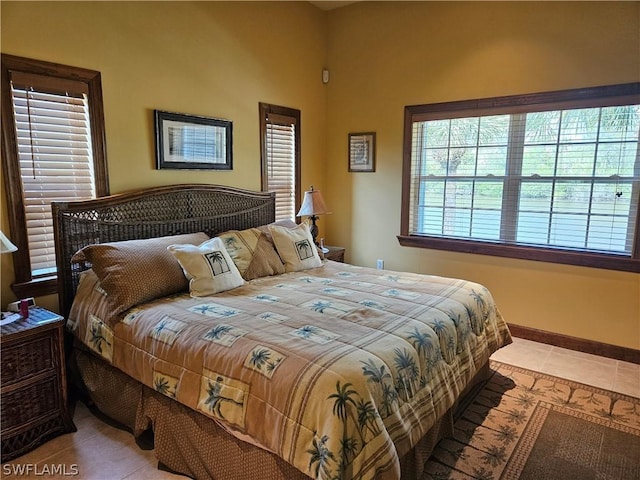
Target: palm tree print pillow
[295, 247]
[208, 267]
[253, 252]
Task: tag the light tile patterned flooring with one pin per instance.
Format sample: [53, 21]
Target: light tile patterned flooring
[615, 375]
[103, 452]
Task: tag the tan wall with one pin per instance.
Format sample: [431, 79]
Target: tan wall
[385, 55]
[221, 59]
[214, 59]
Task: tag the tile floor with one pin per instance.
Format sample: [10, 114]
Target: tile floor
[615, 375]
[102, 452]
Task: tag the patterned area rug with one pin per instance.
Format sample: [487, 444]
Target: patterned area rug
[527, 425]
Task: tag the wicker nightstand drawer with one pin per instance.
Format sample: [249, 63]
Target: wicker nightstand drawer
[23, 360]
[30, 403]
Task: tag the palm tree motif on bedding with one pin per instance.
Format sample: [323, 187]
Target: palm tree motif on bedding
[361, 419]
[100, 337]
[215, 310]
[217, 262]
[165, 384]
[224, 334]
[304, 249]
[264, 360]
[223, 398]
[167, 330]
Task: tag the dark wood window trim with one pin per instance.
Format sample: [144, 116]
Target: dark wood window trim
[24, 284]
[577, 98]
[264, 110]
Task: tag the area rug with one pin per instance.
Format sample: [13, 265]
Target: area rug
[522, 424]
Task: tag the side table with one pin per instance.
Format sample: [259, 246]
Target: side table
[33, 384]
[335, 253]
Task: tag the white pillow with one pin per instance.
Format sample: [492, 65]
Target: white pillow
[295, 247]
[208, 267]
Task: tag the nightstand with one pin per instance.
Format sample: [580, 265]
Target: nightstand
[335, 253]
[33, 383]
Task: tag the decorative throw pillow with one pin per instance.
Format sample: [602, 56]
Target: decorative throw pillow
[288, 224]
[137, 271]
[295, 247]
[208, 267]
[253, 253]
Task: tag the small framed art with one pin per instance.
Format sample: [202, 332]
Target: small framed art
[362, 152]
[192, 142]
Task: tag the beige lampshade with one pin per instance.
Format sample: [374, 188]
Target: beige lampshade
[312, 204]
[5, 244]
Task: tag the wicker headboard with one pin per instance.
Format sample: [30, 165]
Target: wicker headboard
[152, 212]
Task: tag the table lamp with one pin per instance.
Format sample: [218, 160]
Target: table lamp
[6, 247]
[312, 206]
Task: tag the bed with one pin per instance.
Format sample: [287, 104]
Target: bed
[293, 367]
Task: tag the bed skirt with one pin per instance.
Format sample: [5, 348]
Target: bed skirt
[189, 443]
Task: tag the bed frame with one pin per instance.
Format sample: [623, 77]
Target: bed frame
[156, 212]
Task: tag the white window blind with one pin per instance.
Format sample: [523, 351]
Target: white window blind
[197, 143]
[566, 179]
[281, 163]
[55, 158]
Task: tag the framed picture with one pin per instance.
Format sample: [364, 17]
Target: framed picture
[362, 152]
[192, 142]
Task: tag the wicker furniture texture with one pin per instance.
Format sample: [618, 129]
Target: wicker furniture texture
[335, 253]
[34, 385]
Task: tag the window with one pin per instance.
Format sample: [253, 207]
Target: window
[552, 176]
[280, 157]
[53, 144]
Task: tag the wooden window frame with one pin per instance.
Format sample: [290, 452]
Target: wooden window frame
[575, 98]
[264, 110]
[25, 285]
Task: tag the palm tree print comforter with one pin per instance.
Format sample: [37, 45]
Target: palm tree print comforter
[339, 370]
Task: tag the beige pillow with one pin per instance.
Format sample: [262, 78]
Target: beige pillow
[295, 247]
[208, 267]
[253, 252]
[137, 271]
[287, 224]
